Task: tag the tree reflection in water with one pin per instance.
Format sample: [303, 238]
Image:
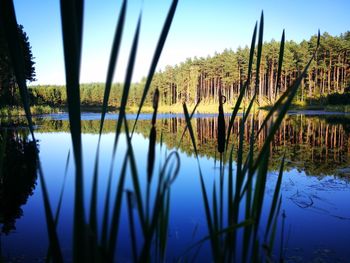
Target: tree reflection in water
[18, 174]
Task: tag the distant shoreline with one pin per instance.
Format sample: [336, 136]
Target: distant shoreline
[176, 109]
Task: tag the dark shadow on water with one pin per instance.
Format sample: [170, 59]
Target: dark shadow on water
[18, 174]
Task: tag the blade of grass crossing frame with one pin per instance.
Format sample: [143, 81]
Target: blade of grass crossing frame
[275, 198]
[55, 249]
[156, 56]
[121, 117]
[287, 93]
[135, 180]
[214, 243]
[72, 22]
[110, 73]
[215, 210]
[242, 91]
[258, 199]
[93, 202]
[283, 110]
[163, 188]
[184, 131]
[58, 210]
[129, 195]
[8, 19]
[274, 227]
[219, 233]
[113, 233]
[280, 63]
[259, 52]
[113, 62]
[127, 83]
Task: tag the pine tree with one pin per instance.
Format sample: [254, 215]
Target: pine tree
[7, 77]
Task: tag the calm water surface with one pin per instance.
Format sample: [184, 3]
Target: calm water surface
[315, 188]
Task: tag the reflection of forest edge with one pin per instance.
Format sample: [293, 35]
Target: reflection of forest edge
[17, 175]
[318, 145]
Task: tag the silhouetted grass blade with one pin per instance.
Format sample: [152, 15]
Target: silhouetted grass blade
[280, 62]
[127, 83]
[221, 124]
[243, 89]
[275, 198]
[129, 197]
[54, 246]
[184, 131]
[8, 19]
[72, 22]
[259, 52]
[284, 108]
[156, 56]
[214, 241]
[113, 233]
[113, 62]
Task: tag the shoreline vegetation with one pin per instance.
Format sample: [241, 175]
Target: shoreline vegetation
[205, 108]
[326, 86]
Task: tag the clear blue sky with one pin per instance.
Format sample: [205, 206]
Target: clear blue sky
[200, 27]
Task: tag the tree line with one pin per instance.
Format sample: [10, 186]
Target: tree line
[203, 77]
[196, 78]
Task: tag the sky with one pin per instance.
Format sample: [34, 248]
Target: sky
[200, 28]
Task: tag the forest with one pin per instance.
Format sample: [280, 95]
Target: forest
[329, 75]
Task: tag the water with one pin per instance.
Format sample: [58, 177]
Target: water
[315, 187]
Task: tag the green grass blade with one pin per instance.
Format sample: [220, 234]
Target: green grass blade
[127, 83]
[135, 178]
[289, 91]
[243, 89]
[274, 227]
[190, 118]
[55, 249]
[220, 233]
[282, 112]
[259, 191]
[164, 184]
[129, 195]
[121, 117]
[259, 52]
[62, 189]
[221, 127]
[93, 202]
[152, 139]
[280, 63]
[215, 210]
[58, 209]
[275, 198]
[113, 233]
[156, 56]
[214, 240]
[113, 62]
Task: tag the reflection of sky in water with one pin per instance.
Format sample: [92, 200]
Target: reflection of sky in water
[317, 222]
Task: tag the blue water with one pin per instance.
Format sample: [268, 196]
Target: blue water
[317, 223]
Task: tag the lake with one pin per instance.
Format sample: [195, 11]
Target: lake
[315, 186]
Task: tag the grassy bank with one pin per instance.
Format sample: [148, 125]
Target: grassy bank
[175, 108]
[36, 110]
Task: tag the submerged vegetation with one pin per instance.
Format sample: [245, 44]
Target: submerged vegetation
[237, 228]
